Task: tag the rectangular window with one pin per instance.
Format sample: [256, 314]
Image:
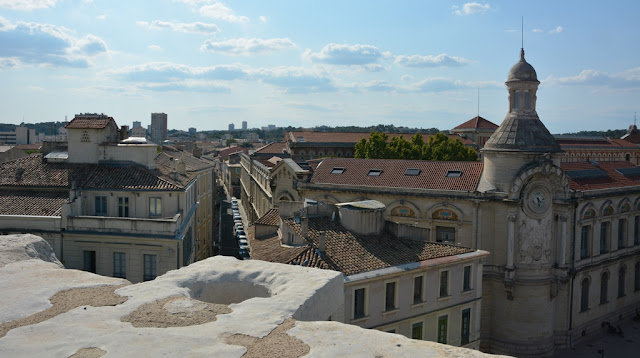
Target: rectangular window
[466, 280]
[155, 206]
[465, 326]
[358, 303]
[442, 329]
[123, 207]
[604, 237]
[584, 241]
[416, 330]
[444, 283]
[89, 261]
[516, 99]
[119, 265]
[446, 235]
[150, 267]
[417, 290]
[390, 296]
[636, 230]
[101, 205]
[527, 100]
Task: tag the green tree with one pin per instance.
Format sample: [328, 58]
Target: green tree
[438, 147]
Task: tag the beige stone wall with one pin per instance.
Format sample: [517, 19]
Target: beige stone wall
[168, 253]
[401, 319]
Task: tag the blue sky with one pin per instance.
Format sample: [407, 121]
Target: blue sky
[306, 63]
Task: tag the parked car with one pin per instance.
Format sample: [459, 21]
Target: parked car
[244, 254]
[243, 242]
[237, 216]
[240, 232]
[242, 237]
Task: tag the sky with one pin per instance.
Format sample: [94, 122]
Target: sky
[420, 64]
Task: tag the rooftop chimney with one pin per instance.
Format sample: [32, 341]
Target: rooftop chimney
[322, 242]
[304, 225]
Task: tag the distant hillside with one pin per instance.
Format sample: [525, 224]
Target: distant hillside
[611, 133]
[47, 128]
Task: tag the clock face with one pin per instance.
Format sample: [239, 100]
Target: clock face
[538, 199]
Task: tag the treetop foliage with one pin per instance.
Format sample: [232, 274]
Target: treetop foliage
[438, 147]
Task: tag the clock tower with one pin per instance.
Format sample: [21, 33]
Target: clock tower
[527, 265]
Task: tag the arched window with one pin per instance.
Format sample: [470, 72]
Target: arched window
[604, 287]
[584, 297]
[621, 278]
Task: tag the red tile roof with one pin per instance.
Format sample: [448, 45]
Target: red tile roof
[272, 148]
[32, 171]
[32, 202]
[98, 122]
[432, 175]
[270, 218]
[352, 253]
[595, 142]
[225, 153]
[613, 178]
[477, 123]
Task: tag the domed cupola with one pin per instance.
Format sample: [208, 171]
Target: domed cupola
[522, 130]
[522, 71]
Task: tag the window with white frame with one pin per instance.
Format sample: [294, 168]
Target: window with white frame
[150, 267]
[101, 205]
[444, 283]
[390, 296]
[466, 278]
[119, 265]
[123, 207]
[418, 296]
[155, 206]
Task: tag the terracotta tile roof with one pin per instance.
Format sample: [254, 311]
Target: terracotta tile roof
[477, 123]
[612, 179]
[269, 249]
[98, 122]
[272, 148]
[432, 174]
[633, 137]
[37, 146]
[31, 202]
[352, 253]
[594, 142]
[225, 153]
[270, 218]
[32, 171]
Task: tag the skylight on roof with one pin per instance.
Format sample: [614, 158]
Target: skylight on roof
[629, 171]
[374, 172]
[454, 174]
[586, 174]
[412, 171]
[337, 170]
[301, 139]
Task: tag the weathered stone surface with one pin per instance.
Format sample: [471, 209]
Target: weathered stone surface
[262, 298]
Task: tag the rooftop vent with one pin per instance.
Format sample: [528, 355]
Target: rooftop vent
[337, 170]
[412, 171]
[374, 172]
[454, 174]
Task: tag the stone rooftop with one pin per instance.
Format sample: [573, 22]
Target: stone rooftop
[216, 307]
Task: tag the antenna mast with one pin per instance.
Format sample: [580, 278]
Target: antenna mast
[522, 32]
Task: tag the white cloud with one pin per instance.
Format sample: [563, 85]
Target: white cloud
[537, 31]
[263, 19]
[557, 30]
[154, 48]
[622, 80]
[471, 8]
[44, 44]
[338, 54]
[247, 46]
[27, 4]
[221, 12]
[193, 27]
[160, 72]
[442, 59]
[295, 80]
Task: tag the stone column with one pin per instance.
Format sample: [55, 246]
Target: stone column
[511, 240]
[563, 238]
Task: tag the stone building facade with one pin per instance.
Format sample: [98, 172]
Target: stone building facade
[562, 235]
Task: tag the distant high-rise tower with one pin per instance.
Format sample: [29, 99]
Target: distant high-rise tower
[244, 125]
[231, 126]
[158, 127]
[137, 124]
